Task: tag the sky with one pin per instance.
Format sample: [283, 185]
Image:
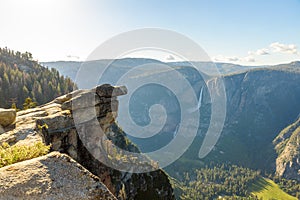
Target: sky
[248, 32]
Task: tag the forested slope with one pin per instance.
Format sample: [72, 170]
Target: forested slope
[22, 77]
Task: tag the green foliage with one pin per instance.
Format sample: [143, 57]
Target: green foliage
[120, 139]
[41, 127]
[17, 153]
[14, 106]
[291, 187]
[22, 77]
[28, 103]
[220, 180]
[226, 181]
[266, 189]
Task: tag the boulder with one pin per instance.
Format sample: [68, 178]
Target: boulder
[107, 90]
[1, 130]
[7, 116]
[54, 176]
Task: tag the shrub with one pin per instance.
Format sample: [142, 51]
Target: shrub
[17, 153]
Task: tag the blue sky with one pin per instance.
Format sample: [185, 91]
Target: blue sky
[247, 32]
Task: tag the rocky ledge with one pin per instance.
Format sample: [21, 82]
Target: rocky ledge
[54, 124]
[54, 176]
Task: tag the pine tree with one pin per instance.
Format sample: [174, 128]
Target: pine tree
[28, 104]
[22, 77]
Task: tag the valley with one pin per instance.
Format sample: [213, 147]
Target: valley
[261, 101]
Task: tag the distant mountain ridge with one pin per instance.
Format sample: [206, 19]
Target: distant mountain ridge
[70, 68]
[261, 101]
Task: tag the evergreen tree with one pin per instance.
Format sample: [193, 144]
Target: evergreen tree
[28, 103]
[22, 77]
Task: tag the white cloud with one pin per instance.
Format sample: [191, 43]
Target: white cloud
[249, 59]
[259, 52]
[284, 48]
[170, 57]
[222, 58]
[262, 52]
[275, 47]
[72, 56]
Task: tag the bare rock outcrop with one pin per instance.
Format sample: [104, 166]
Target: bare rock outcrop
[58, 123]
[287, 145]
[7, 117]
[54, 176]
[2, 129]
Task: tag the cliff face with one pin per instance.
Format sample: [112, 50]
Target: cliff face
[263, 97]
[260, 103]
[287, 145]
[53, 123]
